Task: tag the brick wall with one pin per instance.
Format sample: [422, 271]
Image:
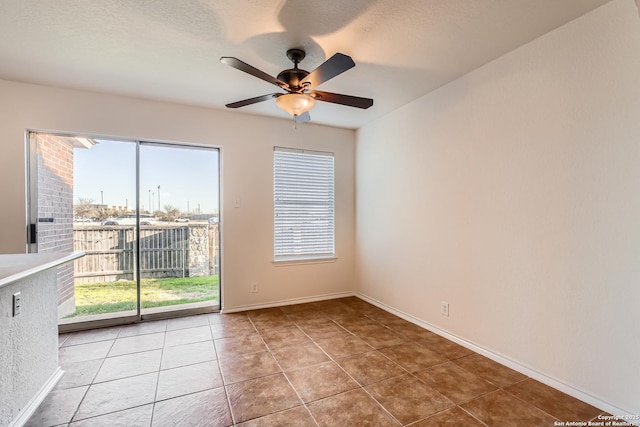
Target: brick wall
[55, 200]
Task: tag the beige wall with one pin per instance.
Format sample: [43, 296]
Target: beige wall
[247, 172]
[513, 193]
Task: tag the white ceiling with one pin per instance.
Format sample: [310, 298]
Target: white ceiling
[170, 50]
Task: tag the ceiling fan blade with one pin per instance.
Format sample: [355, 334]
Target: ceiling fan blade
[243, 66]
[255, 100]
[337, 64]
[304, 117]
[336, 98]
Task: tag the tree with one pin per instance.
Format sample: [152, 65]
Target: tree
[84, 207]
[171, 212]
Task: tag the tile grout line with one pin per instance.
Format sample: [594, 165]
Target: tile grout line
[472, 415]
[361, 387]
[283, 372]
[407, 340]
[155, 395]
[217, 359]
[224, 385]
[407, 372]
[524, 401]
[116, 379]
[330, 358]
[92, 382]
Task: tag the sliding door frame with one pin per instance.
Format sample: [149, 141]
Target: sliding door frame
[32, 221]
[185, 311]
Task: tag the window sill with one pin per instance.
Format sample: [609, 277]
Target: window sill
[303, 261]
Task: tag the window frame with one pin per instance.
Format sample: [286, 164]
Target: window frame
[320, 200]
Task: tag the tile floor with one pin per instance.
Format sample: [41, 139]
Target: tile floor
[341, 362]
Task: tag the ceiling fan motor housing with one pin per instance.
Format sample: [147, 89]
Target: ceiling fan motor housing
[293, 77]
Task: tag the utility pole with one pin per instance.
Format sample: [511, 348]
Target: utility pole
[158, 197]
[150, 205]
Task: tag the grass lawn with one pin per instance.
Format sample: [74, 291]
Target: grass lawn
[112, 297]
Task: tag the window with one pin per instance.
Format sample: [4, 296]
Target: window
[303, 204]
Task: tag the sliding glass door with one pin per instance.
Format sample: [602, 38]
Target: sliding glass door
[145, 214]
[179, 247]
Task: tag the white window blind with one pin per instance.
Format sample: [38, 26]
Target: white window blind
[303, 204]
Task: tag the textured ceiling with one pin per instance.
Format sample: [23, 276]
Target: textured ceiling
[169, 50]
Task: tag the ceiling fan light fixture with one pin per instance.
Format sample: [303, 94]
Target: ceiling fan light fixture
[295, 104]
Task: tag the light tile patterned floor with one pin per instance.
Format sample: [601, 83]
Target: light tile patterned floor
[341, 362]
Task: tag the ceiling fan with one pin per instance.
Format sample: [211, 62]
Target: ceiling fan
[299, 85]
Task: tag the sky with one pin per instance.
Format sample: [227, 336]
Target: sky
[188, 177]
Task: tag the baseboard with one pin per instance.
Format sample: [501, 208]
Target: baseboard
[291, 301]
[32, 405]
[504, 360]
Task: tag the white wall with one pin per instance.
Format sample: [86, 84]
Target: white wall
[29, 344]
[513, 193]
[247, 172]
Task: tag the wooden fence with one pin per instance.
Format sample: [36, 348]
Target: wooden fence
[171, 250]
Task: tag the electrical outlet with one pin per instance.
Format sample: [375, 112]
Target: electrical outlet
[444, 308]
[254, 287]
[17, 303]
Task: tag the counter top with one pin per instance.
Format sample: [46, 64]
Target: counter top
[14, 267]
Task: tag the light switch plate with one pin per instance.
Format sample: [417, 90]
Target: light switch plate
[444, 309]
[17, 303]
